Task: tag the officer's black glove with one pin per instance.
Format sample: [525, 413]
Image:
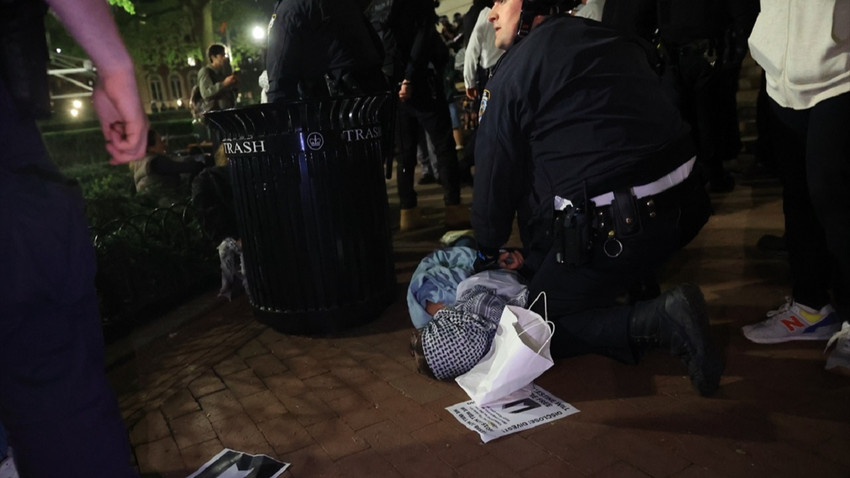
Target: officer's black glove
[484, 261]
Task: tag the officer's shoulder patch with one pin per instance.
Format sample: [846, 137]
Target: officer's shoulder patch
[485, 97]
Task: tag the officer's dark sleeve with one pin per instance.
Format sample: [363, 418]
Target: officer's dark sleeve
[284, 60]
[420, 53]
[500, 165]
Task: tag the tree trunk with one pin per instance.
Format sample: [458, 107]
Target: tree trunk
[207, 30]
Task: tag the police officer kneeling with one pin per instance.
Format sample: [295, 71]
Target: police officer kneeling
[579, 140]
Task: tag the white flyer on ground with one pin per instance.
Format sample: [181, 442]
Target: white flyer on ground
[236, 464]
[505, 418]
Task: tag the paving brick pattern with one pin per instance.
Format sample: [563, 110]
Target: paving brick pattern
[353, 405]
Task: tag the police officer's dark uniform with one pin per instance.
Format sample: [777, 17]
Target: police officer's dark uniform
[55, 401]
[321, 48]
[698, 51]
[572, 120]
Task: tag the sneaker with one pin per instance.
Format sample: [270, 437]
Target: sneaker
[793, 321]
[839, 359]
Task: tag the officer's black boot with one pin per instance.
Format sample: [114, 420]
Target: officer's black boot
[677, 319]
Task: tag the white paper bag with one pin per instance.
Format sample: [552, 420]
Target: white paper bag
[518, 355]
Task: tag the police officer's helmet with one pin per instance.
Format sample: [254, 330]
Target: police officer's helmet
[532, 8]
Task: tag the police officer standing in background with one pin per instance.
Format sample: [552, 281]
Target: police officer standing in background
[55, 402]
[578, 140]
[320, 49]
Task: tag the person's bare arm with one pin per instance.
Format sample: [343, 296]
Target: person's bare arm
[116, 95]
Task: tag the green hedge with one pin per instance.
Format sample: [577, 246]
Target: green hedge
[149, 258]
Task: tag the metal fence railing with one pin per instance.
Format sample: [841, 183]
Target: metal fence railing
[148, 262]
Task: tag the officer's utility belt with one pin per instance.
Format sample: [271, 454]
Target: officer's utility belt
[659, 185]
[608, 217]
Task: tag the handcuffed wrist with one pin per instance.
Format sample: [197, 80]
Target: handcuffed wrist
[488, 251]
[484, 261]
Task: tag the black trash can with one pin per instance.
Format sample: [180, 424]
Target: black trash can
[311, 206]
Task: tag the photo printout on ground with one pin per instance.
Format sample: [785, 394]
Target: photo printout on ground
[236, 464]
[506, 418]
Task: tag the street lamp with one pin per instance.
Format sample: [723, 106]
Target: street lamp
[258, 33]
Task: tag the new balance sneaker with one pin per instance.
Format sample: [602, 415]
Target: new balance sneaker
[839, 359]
[794, 321]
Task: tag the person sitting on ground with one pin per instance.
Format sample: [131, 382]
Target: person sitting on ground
[159, 176]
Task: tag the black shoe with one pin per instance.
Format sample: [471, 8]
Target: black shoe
[677, 319]
[427, 178]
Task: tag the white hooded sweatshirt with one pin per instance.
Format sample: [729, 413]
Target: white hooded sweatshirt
[804, 48]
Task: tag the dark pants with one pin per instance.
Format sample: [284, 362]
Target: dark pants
[586, 301]
[432, 115]
[813, 156]
[702, 106]
[55, 403]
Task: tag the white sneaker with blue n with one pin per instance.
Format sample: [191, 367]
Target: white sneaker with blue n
[794, 321]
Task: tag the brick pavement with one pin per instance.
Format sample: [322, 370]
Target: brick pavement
[209, 376]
